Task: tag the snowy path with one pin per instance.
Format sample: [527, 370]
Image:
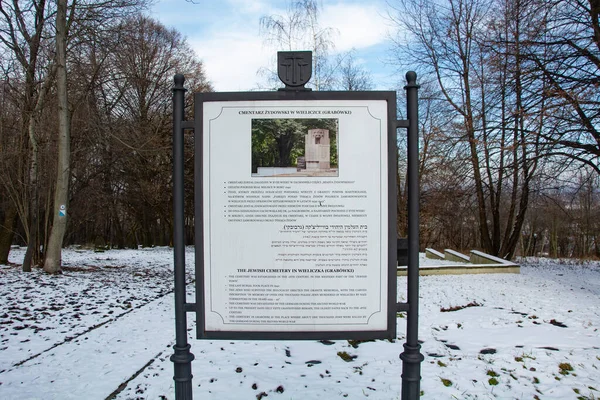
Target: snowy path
[96, 363]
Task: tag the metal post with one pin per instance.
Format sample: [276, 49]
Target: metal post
[412, 357]
[182, 358]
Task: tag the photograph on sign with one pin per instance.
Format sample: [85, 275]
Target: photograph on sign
[295, 208]
[294, 147]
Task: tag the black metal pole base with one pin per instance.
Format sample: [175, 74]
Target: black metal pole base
[182, 361]
[411, 372]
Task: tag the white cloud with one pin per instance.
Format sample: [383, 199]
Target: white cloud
[250, 6]
[359, 26]
[232, 59]
[231, 48]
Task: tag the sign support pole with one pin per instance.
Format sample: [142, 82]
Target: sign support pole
[412, 357]
[182, 357]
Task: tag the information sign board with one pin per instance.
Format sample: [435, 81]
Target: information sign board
[298, 215]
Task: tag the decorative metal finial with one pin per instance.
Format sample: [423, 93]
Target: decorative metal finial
[179, 79]
[411, 79]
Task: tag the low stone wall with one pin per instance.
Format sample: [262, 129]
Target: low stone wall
[433, 254]
[478, 263]
[272, 171]
[452, 255]
[479, 257]
[470, 269]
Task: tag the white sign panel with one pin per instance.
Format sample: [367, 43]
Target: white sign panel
[295, 222]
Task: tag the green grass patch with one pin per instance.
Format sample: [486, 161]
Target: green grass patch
[441, 364]
[356, 343]
[493, 381]
[345, 356]
[565, 368]
[457, 308]
[446, 382]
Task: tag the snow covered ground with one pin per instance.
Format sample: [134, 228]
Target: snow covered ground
[104, 330]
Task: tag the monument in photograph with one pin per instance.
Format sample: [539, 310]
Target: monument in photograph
[294, 147]
[317, 151]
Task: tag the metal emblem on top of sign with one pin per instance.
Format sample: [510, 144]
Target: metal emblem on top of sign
[294, 68]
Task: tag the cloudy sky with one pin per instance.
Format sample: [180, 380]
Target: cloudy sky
[225, 35]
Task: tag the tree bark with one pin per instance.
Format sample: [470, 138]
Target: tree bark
[52, 263]
[32, 255]
[32, 246]
[7, 232]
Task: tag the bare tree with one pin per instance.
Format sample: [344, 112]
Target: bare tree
[103, 81]
[153, 55]
[563, 221]
[29, 50]
[52, 262]
[122, 133]
[351, 75]
[75, 25]
[449, 41]
[9, 137]
[299, 28]
[566, 54]
[24, 37]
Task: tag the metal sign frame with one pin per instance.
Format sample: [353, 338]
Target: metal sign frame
[389, 215]
[411, 356]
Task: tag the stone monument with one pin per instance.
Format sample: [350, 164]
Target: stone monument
[317, 149]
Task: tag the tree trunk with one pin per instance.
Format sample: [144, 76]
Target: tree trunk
[285, 145]
[52, 263]
[32, 245]
[401, 205]
[119, 236]
[33, 248]
[7, 232]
